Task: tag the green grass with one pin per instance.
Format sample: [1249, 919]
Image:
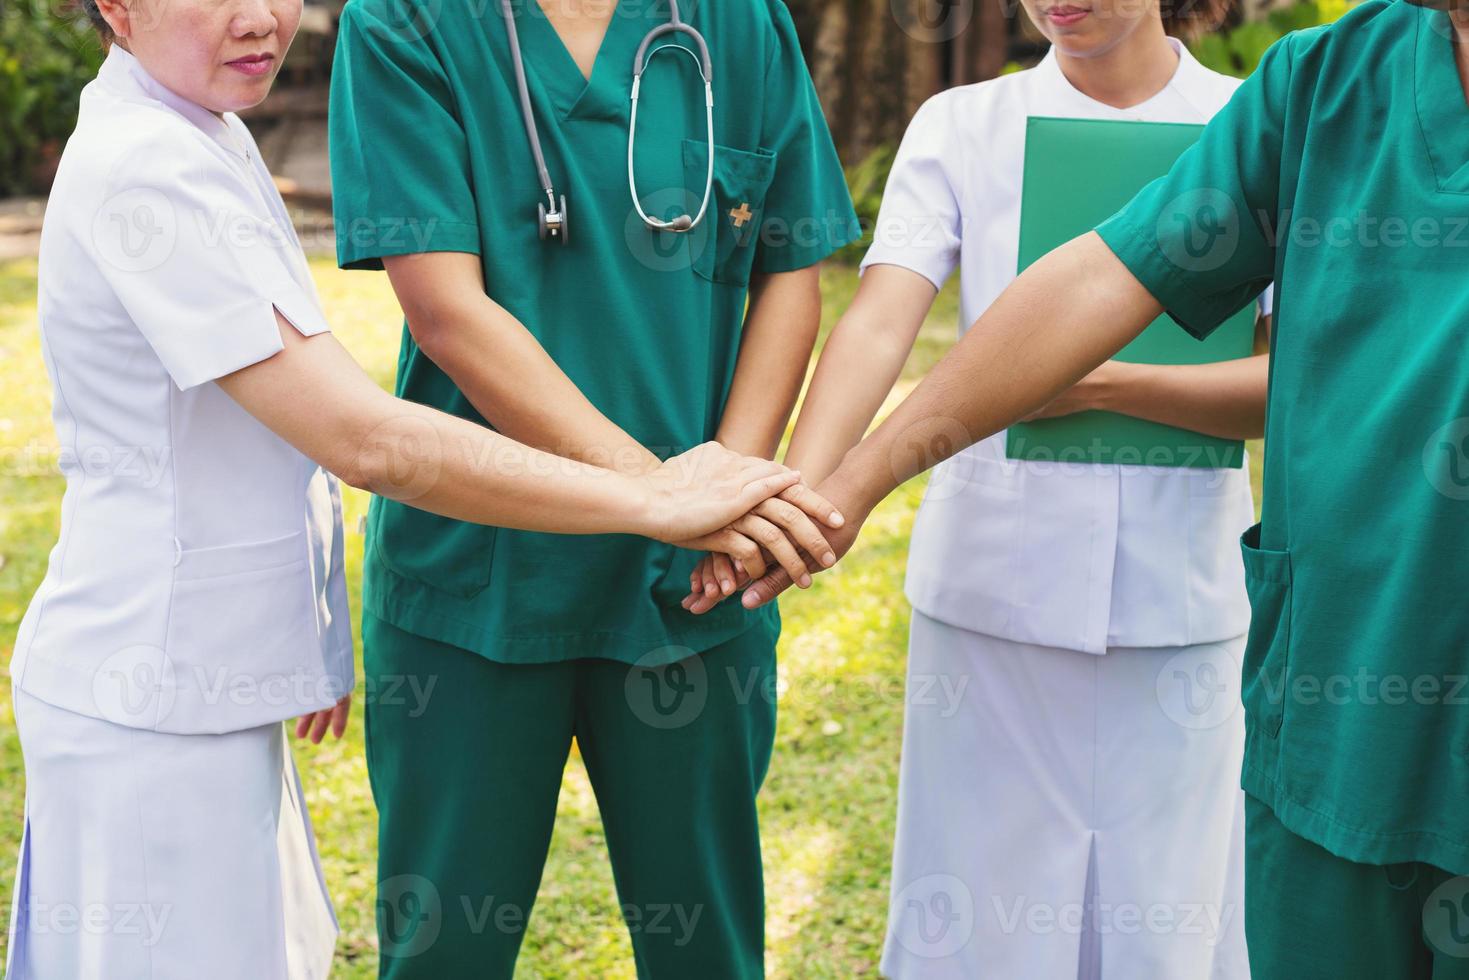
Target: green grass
[827, 806]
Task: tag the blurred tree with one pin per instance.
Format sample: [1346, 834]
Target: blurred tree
[47, 53]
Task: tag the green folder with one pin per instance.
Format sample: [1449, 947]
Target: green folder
[1078, 173]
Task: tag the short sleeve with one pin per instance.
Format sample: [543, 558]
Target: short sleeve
[182, 241]
[1200, 238]
[918, 225]
[808, 208]
[399, 156]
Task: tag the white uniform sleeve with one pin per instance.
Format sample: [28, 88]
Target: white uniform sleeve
[1267, 301]
[198, 263]
[918, 225]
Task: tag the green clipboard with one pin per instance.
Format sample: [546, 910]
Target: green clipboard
[1078, 173]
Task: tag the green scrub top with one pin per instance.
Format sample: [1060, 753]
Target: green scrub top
[1340, 170]
[429, 153]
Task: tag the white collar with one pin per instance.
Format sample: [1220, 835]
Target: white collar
[1191, 81]
[124, 75]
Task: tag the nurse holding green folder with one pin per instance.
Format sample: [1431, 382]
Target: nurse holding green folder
[1340, 170]
[1089, 611]
[583, 286]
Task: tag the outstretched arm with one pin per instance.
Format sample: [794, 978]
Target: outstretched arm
[1061, 318]
[315, 396]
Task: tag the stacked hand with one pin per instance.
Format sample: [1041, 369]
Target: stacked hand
[750, 511]
[719, 574]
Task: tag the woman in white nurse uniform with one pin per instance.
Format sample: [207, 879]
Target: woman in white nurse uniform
[1071, 806]
[195, 598]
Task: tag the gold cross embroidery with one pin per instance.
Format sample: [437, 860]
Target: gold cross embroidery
[741, 214]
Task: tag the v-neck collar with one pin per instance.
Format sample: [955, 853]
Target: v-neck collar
[1443, 110]
[550, 61]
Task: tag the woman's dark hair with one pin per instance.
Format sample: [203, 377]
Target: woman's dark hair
[99, 23]
[1181, 18]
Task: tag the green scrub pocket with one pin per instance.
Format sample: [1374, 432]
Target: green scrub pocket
[736, 204]
[1267, 652]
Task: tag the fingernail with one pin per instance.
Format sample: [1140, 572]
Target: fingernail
[828, 559]
[837, 520]
[805, 581]
[727, 585]
[749, 599]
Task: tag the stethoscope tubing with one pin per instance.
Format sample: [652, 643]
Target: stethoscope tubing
[640, 63]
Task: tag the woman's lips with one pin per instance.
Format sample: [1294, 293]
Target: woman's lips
[253, 64]
[1066, 16]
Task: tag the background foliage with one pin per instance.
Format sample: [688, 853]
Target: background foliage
[46, 56]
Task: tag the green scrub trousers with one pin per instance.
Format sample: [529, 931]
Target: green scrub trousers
[466, 757]
[1310, 915]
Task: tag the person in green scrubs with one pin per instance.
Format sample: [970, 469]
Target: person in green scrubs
[618, 348]
[1340, 170]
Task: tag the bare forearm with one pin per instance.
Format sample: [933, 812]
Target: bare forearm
[511, 380]
[500, 366]
[458, 469]
[418, 455]
[862, 360]
[1225, 399]
[1064, 316]
[779, 333]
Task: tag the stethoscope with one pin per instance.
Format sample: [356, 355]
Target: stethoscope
[551, 216]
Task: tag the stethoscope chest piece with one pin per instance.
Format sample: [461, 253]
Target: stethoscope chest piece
[552, 224]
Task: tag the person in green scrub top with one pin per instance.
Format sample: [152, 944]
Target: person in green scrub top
[1340, 170]
[619, 347]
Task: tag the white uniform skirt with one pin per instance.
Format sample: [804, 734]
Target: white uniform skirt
[1067, 815]
[165, 857]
